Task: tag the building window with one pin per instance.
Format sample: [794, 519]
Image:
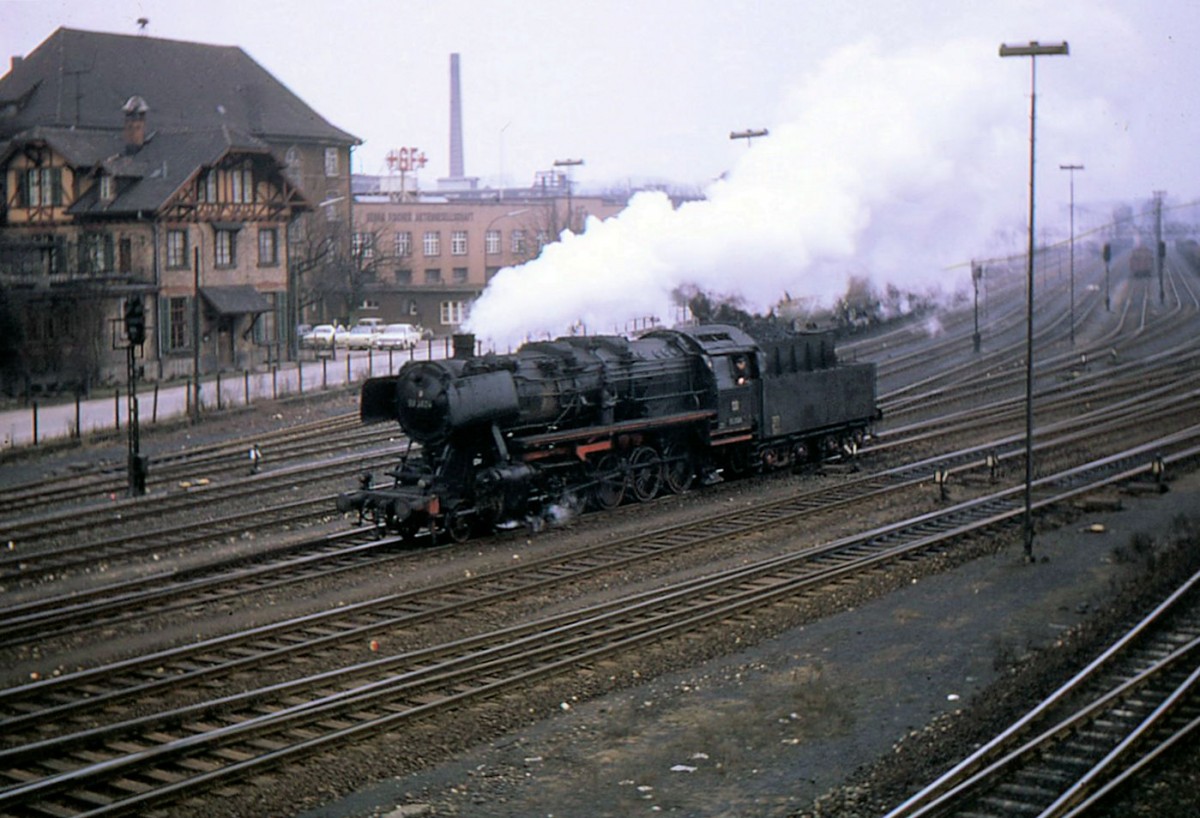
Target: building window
[491, 242]
[518, 242]
[207, 187]
[403, 244]
[362, 245]
[490, 272]
[543, 238]
[225, 248]
[125, 255]
[266, 328]
[331, 161]
[458, 243]
[459, 275]
[108, 188]
[96, 252]
[453, 313]
[404, 276]
[433, 276]
[433, 243]
[42, 187]
[241, 185]
[177, 249]
[178, 314]
[268, 247]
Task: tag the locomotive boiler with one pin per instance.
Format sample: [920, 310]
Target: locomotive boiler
[496, 440]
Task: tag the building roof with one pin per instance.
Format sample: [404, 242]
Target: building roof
[149, 178]
[83, 78]
[238, 299]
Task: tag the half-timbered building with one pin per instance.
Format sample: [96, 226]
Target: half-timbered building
[124, 160]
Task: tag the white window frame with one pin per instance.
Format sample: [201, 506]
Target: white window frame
[331, 162]
[225, 248]
[177, 249]
[403, 243]
[363, 246]
[458, 243]
[491, 242]
[453, 313]
[432, 243]
[271, 236]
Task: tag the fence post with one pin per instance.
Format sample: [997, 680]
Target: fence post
[349, 357]
[117, 408]
[300, 373]
[35, 422]
[78, 417]
[246, 386]
[275, 382]
[324, 373]
[219, 406]
[154, 408]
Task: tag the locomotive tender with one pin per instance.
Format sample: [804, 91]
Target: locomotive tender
[596, 420]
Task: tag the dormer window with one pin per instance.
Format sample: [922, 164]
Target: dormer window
[108, 188]
[42, 187]
[207, 191]
[241, 185]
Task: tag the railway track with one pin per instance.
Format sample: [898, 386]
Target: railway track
[1094, 734]
[101, 480]
[156, 759]
[103, 606]
[143, 512]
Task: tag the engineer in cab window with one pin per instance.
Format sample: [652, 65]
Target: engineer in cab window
[741, 370]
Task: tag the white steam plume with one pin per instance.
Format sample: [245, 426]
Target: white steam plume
[894, 167]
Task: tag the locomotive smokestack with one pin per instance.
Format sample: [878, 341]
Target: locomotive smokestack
[456, 133]
[464, 345]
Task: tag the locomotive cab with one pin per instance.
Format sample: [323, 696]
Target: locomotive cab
[738, 391]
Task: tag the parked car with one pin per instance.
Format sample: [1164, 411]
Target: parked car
[376, 324]
[321, 336]
[397, 336]
[359, 337]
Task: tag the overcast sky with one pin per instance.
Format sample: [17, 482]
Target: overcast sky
[899, 138]
[652, 88]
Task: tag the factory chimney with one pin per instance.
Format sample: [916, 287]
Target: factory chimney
[457, 180]
[456, 132]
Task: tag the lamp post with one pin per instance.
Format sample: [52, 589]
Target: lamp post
[568, 163]
[1072, 169]
[749, 134]
[488, 229]
[1033, 50]
[976, 277]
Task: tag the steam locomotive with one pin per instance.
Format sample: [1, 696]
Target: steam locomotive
[504, 440]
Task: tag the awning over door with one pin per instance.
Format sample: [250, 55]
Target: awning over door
[240, 299]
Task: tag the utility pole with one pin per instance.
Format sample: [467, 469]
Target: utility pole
[1072, 169]
[976, 277]
[569, 163]
[1033, 50]
[1159, 247]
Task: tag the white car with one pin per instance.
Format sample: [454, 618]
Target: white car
[359, 337]
[321, 336]
[397, 336]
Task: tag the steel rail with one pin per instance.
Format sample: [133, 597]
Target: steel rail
[237, 749]
[1109, 677]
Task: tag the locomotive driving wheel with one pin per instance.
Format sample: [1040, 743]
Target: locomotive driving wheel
[645, 473]
[608, 481]
[678, 467]
[458, 526]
